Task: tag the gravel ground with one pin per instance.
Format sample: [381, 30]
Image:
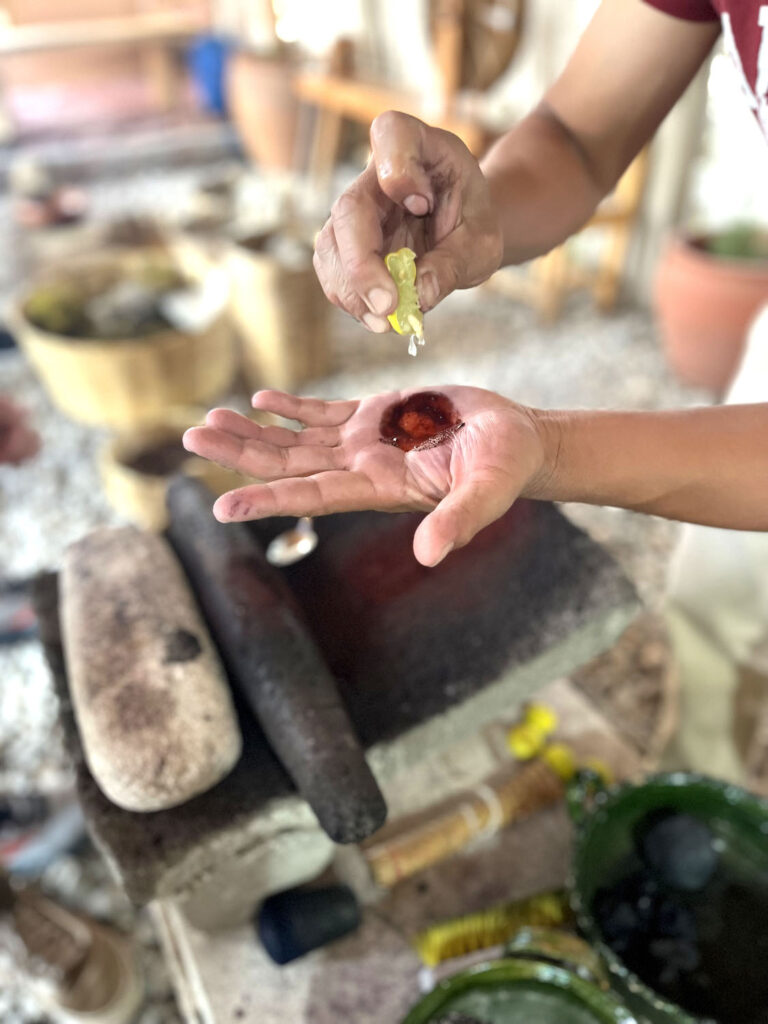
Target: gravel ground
[477, 338]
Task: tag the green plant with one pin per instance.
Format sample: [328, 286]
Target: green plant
[739, 241]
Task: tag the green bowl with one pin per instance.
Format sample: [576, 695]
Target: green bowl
[519, 991]
[605, 818]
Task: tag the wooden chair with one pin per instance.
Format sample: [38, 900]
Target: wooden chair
[468, 54]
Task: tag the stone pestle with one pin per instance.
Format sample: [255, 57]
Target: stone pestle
[275, 664]
[152, 702]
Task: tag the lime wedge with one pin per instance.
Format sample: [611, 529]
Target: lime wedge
[407, 318]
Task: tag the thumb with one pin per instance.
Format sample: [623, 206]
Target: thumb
[477, 502]
[398, 144]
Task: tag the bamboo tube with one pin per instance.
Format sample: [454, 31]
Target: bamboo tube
[481, 811]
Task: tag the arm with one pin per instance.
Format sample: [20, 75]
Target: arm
[542, 181]
[707, 465]
[548, 174]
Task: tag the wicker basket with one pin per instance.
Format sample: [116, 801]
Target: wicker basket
[126, 384]
[281, 315]
[141, 496]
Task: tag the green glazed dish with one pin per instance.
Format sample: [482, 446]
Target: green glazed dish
[605, 819]
[519, 991]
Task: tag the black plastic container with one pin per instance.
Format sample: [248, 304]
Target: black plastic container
[293, 923]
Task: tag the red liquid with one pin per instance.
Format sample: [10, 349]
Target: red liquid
[424, 420]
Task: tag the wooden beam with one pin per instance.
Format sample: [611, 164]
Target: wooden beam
[135, 28]
[362, 101]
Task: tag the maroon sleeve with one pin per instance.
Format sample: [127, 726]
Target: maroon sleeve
[688, 10]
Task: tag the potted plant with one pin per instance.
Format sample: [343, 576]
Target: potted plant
[709, 288]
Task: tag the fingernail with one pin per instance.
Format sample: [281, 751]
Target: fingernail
[375, 323]
[379, 301]
[446, 551]
[417, 205]
[428, 289]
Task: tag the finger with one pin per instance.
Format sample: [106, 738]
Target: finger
[312, 496]
[255, 458]
[242, 426]
[447, 267]
[233, 422]
[399, 150]
[312, 412]
[332, 277]
[356, 224]
[467, 509]
[462, 258]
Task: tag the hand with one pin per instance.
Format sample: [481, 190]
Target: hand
[338, 463]
[17, 441]
[424, 189]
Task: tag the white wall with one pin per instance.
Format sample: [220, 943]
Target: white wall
[730, 182]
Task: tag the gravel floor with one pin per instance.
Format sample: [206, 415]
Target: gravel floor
[477, 338]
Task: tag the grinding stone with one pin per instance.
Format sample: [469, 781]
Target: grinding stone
[152, 703]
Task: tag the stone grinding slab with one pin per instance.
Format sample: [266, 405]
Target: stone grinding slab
[413, 649]
[531, 598]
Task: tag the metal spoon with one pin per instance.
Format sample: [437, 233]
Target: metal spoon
[293, 545]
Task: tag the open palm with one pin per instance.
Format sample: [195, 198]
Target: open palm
[338, 463]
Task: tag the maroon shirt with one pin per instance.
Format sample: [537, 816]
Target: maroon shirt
[745, 31]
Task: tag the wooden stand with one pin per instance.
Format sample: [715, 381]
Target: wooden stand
[338, 95]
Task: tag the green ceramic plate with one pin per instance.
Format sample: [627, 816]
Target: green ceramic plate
[520, 992]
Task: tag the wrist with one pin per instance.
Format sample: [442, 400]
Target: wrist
[545, 483]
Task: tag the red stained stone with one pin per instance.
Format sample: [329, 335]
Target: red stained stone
[422, 421]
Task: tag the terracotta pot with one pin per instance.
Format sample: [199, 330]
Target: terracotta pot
[264, 109]
[705, 304]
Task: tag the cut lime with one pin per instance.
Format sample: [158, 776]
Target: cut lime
[407, 318]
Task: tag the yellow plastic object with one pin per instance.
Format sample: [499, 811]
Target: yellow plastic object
[407, 318]
[527, 738]
[488, 928]
[560, 759]
[540, 717]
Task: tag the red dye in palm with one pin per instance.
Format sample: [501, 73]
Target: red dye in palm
[424, 420]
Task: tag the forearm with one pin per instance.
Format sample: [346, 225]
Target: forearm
[549, 173]
[542, 185]
[705, 465]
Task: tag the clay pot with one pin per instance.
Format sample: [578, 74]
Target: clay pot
[705, 304]
[264, 109]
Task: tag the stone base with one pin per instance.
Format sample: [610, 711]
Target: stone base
[423, 657]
